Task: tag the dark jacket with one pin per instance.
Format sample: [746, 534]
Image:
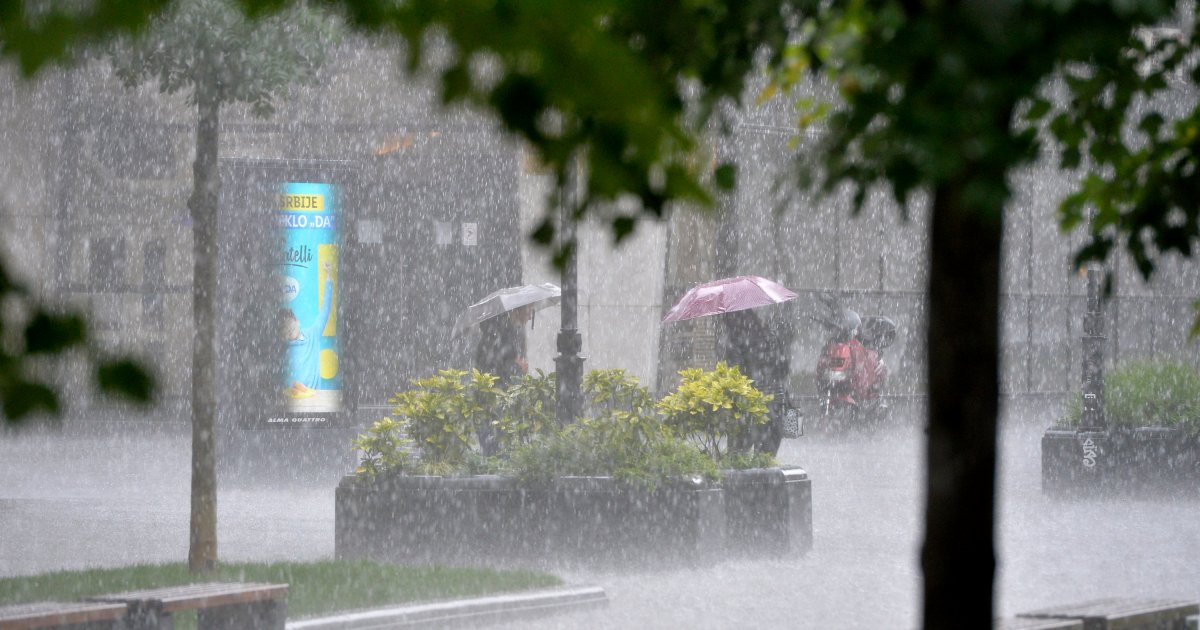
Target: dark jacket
[501, 342]
[761, 350]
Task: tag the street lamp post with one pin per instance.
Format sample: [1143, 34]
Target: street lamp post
[568, 363]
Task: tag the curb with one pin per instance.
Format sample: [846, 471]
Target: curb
[482, 610]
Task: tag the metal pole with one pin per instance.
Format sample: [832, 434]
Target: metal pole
[568, 363]
[1093, 356]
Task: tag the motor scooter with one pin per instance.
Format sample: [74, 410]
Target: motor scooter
[851, 374]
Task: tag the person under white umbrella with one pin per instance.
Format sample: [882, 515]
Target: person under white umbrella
[501, 319]
[507, 300]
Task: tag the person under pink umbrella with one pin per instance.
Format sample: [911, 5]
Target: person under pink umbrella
[728, 295]
[759, 344]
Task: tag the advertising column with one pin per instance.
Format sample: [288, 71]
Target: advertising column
[312, 384]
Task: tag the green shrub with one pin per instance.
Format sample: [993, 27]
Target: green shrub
[443, 414]
[1149, 393]
[384, 447]
[620, 436]
[744, 461]
[568, 451]
[711, 407]
[527, 409]
[433, 428]
[589, 449]
[665, 458]
[615, 390]
[620, 410]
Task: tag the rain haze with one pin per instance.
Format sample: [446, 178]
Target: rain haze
[435, 207]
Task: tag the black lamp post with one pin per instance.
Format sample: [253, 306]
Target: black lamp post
[568, 363]
[1093, 356]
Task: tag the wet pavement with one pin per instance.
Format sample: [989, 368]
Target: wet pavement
[108, 500]
[72, 502]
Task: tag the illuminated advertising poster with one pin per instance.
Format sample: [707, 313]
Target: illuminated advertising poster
[312, 381]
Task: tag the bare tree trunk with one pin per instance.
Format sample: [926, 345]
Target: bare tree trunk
[206, 187]
[958, 557]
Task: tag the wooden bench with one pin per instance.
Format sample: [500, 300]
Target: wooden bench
[219, 606]
[62, 615]
[1026, 623]
[1123, 614]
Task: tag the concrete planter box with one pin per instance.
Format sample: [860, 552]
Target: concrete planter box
[437, 520]
[591, 521]
[599, 521]
[1119, 460]
[768, 511]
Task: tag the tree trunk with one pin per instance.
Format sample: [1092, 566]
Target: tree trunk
[958, 558]
[206, 187]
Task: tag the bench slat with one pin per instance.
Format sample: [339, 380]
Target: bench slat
[1023, 623]
[1102, 613]
[194, 596]
[49, 614]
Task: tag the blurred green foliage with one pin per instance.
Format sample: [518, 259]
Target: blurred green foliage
[596, 80]
[209, 51]
[33, 336]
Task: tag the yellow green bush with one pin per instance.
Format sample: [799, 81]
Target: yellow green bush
[714, 407]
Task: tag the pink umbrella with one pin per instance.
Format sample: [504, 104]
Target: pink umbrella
[728, 295]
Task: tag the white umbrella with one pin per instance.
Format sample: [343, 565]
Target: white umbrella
[505, 300]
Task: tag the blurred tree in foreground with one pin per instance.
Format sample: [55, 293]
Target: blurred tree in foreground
[32, 333]
[937, 102]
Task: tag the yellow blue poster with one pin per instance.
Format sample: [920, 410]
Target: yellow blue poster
[308, 216]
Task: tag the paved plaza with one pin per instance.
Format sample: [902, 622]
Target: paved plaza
[71, 501]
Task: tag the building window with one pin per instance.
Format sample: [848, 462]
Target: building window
[153, 309]
[154, 264]
[154, 278]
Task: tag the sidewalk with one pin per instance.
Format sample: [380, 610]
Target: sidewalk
[464, 613]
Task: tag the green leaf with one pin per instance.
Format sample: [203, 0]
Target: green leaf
[125, 377]
[47, 333]
[23, 398]
[623, 227]
[544, 234]
[1151, 123]
[1037, 110]
[1071, 158]
[726, 176]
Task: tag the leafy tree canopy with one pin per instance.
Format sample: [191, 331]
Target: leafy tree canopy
[33, 332]
[209, 50]
[631, 86]
[605, 80]
[926, 91]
